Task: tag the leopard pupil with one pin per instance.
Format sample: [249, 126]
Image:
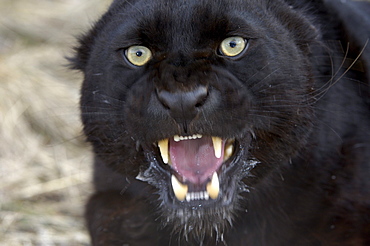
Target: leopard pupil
[232, 44]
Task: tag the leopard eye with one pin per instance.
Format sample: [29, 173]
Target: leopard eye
[138, 55]
[232, 46]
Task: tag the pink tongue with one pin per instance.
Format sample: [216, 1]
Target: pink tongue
[195, 159]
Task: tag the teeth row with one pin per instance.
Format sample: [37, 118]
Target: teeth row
[181, 190]
[178, 138]
[201, 195]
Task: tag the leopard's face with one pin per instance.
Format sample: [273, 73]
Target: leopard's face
[200, 100]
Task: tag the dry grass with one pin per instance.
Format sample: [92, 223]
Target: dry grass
[45, 166]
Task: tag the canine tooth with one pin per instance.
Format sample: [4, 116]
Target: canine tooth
[180, 190]
[213, 187]
[217, 146]
[228, 151]
[163, 147]
[176, 138]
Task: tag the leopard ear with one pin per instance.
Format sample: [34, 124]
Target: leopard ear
[83, 49]
[355, 20]
[292, 15]
[81, 52]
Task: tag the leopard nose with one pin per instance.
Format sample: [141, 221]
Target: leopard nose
[183, 106]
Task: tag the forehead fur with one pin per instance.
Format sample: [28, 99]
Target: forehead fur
[177, 23]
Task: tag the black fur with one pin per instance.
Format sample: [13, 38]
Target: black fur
[297, 103]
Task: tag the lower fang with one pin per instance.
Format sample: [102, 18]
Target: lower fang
[180, 190]
[229, 150]
[213, 187]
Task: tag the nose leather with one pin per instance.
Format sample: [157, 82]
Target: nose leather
[183, 106]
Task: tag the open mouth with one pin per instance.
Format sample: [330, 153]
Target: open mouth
[195, 163]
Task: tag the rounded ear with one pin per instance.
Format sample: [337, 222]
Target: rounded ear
[85, 44]
[297, 22]
[82, 52]
[355, 18]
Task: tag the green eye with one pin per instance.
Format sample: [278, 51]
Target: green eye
[232, 46]
[138, 55]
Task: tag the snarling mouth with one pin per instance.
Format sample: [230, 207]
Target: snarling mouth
[195, 164]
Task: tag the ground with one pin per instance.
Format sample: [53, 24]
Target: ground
[45, 164]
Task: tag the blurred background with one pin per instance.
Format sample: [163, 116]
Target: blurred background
[45, 165]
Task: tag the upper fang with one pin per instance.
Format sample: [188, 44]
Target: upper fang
[163, 148]
[217, 146]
